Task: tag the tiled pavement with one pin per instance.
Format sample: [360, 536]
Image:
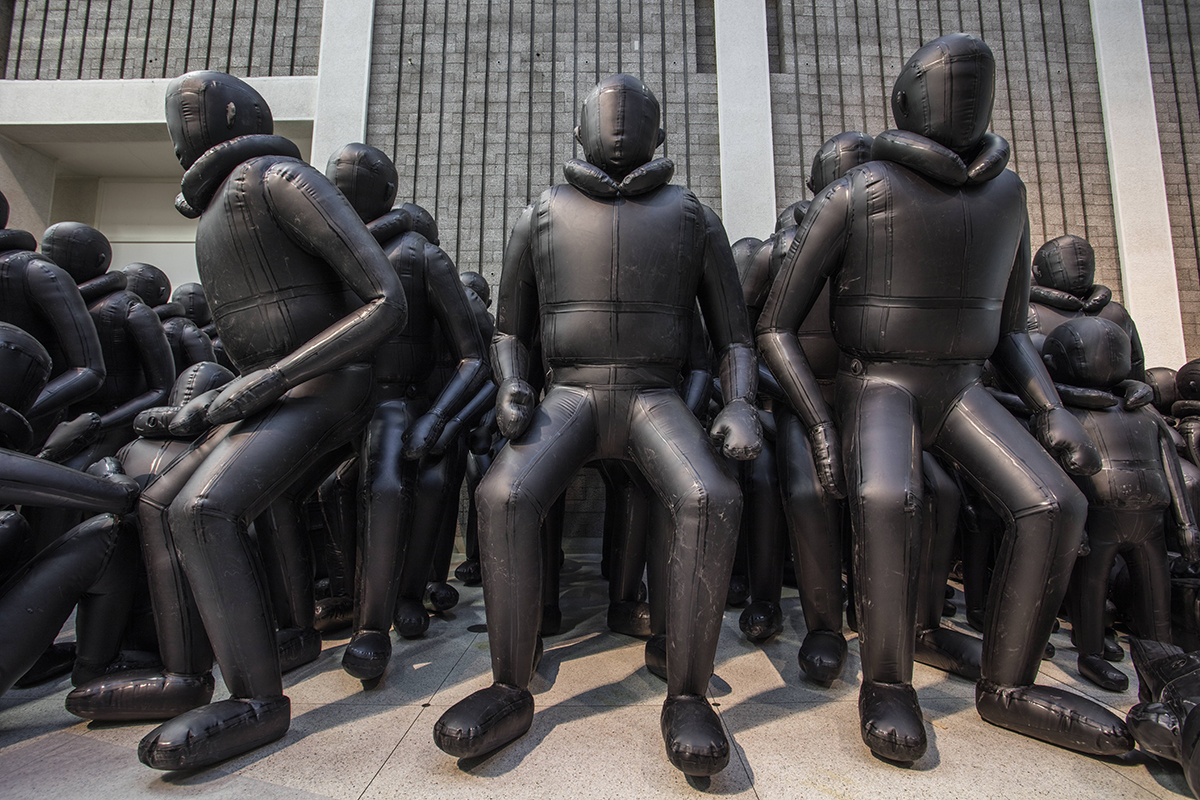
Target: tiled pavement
[595, 733]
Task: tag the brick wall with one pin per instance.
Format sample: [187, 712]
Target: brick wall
[838, 68]
[1171, 26]
[59, 39]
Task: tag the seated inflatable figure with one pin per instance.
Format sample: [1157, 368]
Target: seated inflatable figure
[401, 514]
[616, 296]
[1166, 722]
[140, 368]
[190, 296]
[917, 305]
[1064, 269]
[1139, 481]
[301, 294]
[41, 298]
[40, 586]
[189, 344]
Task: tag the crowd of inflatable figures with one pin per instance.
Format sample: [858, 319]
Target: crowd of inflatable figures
[182, 460]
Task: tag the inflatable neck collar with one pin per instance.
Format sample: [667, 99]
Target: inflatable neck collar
[103, 286]
[591, 180]
[204, 177]
[16, 239]
[940, 163]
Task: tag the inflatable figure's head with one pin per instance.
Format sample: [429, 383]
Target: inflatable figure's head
[366, 176]
[743, 253]
[837, 157]
[195, 304]
[1089, 352]
[792, 215]
[196, 380]
[1187, 381]
[81, 250]
[205, 108]
[422, 222]
[945, 92]
[25, 365]
[148, 282]
[1066, 263]
[477, 284]
[1162, 381]
[619, 125]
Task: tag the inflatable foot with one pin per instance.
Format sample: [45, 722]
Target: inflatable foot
[1055, 716]
[551, 620]
[630, 618]
[950, 651]
[1048, 652]
[890, 721]
[297, 647]
[57, 661]
[761, 620]
[410, 618]
[484, 721]
[334, 614]
[469, 572]
[1100, 672]
[440, 596]
[1112, 651]
[140, 695]
[948, 608]
[215, 732]
[368, 654]
[739, 591]
[823, 656]
[656, 656]
[975, 619]
[696, 743]
[1156, 730]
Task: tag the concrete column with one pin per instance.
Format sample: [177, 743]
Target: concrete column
[343, 77]
[744, 119]
[1148, 280]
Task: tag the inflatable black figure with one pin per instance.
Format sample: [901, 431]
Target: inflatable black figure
[917, 304]
[1140, 479]
[191, 298]
[1165, 722]
[300, 293]
[396, 545]
[39, 586]
[616, 296]
[188, 342]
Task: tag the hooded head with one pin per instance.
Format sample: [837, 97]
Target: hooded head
[1187, 380]
[837, 157]
[366, 176]
[1090, 352]
[197, 379]
[618, 126]
[195, 304]
[945, 92]
[81, 250]
[1066, 263]
[422, 222]
[205, 108]
[148, 282]
[477, 284]
[1162, 381]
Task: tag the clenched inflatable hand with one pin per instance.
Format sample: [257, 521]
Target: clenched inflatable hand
[514, 407]
[738, 431]
[1057, 430]
[247, 395]
[827, 457]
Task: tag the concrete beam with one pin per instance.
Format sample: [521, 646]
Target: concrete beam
[744, 119]
[343, 77]
[1148, 280]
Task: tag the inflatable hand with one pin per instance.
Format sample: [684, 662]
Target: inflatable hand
[827, 456]
[1136, 393]
[247, 395]
[110, 469]
[152, 423]
[192, 418]
[1063, 437]
[514, 407]
[422, 435]
[449, 433]
[71, 437]
[737, 431]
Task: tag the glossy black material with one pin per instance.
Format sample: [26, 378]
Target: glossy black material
[615, 296]
[917, 304]
[301, 294]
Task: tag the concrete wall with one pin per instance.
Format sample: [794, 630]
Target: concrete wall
[1172, 33]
